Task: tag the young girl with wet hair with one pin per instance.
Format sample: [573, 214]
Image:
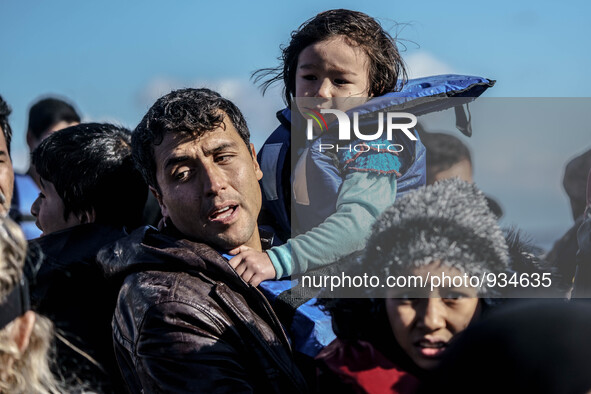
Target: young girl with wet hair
[340, 58]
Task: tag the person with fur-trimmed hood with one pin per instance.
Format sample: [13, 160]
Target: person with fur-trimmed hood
[390, 340]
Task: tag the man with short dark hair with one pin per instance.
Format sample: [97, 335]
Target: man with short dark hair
[6, 170]
[185, 320]
[91, 195]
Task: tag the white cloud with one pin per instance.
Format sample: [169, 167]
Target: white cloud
[155, 88]
[423, 64]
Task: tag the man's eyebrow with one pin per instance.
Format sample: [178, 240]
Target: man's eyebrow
[207, 152]
[175, 160]
[219, 148]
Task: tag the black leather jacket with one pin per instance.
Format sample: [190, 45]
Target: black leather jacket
[186, 322]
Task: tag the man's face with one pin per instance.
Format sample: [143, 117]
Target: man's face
[49, 210]
[6, 176]
[209, 187]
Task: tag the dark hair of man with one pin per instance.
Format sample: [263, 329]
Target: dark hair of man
[189, 112]
[4, 113]
[91, 167]
[444, 150]
[386, 66]
[48, 112]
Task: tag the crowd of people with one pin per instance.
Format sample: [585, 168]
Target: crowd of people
[154, 256]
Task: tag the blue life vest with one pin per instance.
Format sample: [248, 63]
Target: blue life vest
[419, 96]
[325, 172]
[309, 327]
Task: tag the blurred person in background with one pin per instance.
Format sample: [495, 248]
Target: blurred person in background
[46, 116]
[582, 282]
[564, 252]
[448, 157]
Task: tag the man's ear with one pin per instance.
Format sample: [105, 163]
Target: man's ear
[163, 209]
[23, 329]
[87, 216]
[257, 168]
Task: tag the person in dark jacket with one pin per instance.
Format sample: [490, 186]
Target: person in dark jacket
[564, 251]
[185, 320]
[91, 195]
[539, 346]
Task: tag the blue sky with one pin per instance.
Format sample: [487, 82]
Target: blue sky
[113, 59]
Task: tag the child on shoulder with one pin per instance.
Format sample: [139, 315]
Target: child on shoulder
[338, 59]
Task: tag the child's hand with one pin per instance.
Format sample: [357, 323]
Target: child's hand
[254, 267]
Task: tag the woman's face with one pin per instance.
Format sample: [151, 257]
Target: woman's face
[423, 321]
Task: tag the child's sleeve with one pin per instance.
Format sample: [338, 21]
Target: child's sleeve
[362, 198]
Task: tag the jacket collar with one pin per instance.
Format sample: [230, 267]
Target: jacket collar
[78, 243]
[149, 249]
